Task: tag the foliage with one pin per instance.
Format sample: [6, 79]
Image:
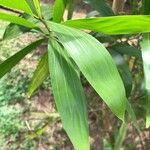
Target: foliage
[9, 120]
[109, 70]
[11, 90]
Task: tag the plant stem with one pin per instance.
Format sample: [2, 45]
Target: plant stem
[10, 10]
[45, 24]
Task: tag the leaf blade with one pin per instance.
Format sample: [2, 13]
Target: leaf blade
[17, 20]
[69, 97]
[13, 30]
[127, 50]
[145, 7]
[101, 6]
[123, 70]
[113, 25]
[145, 44]
[8, 64]
[40, 74]
[16, 4]
[59, 8]
[38, 8]
[71, 6]
[92, 58]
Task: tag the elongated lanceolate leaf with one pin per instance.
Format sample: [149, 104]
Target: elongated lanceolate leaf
[69, 96]
[40, 74]
[145, 44]
[45, 11]
[37, 7]
[123, 70]
[32, 6]
[127, 80]
[8, 64]
[133, 116]
[96, 64]
[146, 7]
[113, 25]
[71, 6]
[101, 6]
[14, 30]
[126, 49]
[16, 5]
[16, 20]
[59, 8]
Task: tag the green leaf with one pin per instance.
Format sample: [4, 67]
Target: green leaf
[126, 49]
[123, 70]
[126, 76]
[71, 6]
[47, 12]
[59, 8]
[17, 5]
[145, 44]
[101, 6]
[40, 74]
[113, 25]
[103, 38]
[145, 7]
[121, 136]
[127, 80]
[8, 64]
[96, 64]
[69, 96]
[38, 8]
[13, 30]
[17, 20]
[32, 6]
